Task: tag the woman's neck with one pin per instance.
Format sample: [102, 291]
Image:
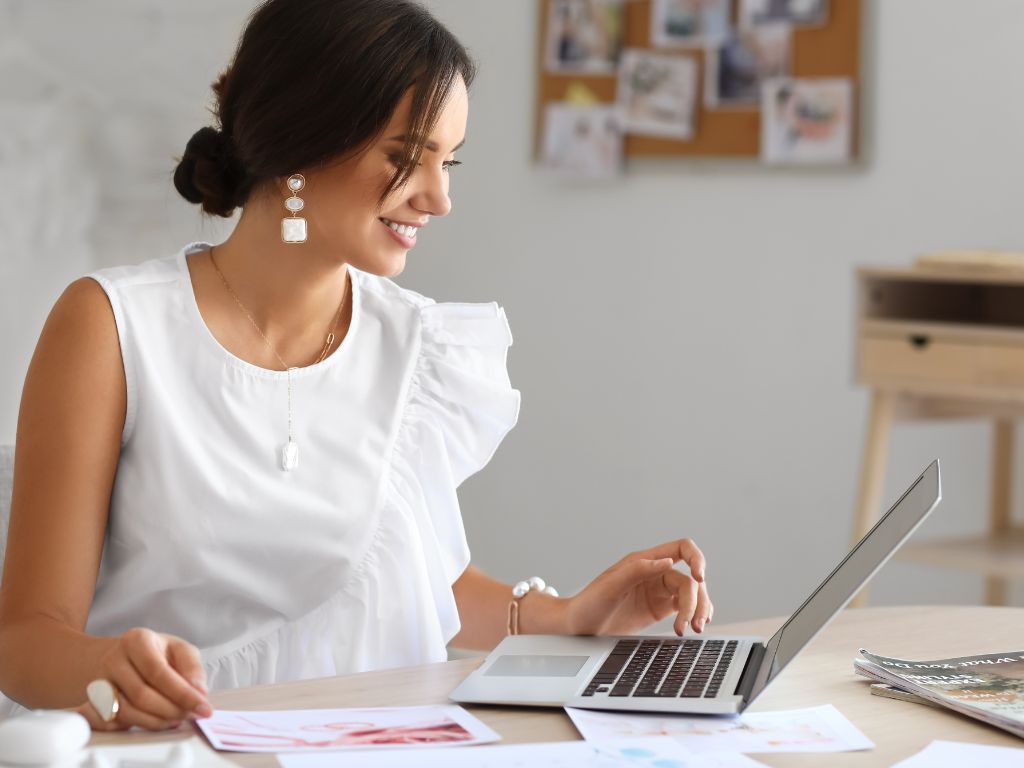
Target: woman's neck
[288, 288]
[292, 292]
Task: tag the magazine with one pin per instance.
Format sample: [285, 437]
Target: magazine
[989, 688]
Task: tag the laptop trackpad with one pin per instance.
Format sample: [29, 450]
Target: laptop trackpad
[536, 666]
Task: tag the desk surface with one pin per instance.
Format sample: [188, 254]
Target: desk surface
[822, 674]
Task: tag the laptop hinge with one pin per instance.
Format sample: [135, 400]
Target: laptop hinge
[750, 670]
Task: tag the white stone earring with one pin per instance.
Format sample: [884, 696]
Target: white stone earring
[293, 228]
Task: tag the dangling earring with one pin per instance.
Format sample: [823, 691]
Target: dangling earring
[293, 228]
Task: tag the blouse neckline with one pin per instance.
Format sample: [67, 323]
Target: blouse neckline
[211, 341]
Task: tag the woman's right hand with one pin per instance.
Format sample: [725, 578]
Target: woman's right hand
[159, 679]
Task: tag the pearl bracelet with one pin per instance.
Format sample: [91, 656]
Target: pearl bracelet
[519, 591]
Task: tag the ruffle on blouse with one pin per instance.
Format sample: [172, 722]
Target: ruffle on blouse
[459, 406]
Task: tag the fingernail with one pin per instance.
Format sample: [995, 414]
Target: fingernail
[204, 710]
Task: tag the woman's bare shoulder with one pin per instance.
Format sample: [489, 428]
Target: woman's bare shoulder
[78, 354]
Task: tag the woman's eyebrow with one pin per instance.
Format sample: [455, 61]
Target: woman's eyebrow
[431, 145]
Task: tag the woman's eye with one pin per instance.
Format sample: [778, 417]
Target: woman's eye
[449, 164]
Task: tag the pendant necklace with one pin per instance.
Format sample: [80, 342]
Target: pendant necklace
[290, 450]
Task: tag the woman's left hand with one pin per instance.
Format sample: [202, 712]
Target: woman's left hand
[642, 588]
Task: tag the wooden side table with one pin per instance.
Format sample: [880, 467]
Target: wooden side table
[945, 343]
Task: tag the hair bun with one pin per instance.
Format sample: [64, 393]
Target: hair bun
[209, 173]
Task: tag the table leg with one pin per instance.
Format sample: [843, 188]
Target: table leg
[872, 473]
[1000, 511]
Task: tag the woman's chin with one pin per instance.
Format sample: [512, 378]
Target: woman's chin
[383, 265]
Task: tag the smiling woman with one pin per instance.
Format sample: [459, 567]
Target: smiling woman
[190, 544]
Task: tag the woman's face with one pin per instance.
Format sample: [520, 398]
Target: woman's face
[343, 207]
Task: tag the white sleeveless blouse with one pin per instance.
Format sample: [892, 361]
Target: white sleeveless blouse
[345, 563]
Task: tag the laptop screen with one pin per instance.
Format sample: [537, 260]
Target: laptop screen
[858, 567]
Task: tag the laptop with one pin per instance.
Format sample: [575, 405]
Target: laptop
[691, 674]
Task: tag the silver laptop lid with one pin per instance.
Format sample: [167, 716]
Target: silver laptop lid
[864, 560]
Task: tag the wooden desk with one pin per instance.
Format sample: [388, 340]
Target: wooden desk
[823, 674]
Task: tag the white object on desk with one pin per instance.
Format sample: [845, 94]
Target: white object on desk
[956, 754]
[815, 729]
[625, 753]
[42, 737]
[190, 753]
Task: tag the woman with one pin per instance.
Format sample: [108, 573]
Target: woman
[238, 465]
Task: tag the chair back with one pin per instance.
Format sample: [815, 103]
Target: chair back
[6, 485]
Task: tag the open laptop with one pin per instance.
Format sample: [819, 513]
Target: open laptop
[692, 674]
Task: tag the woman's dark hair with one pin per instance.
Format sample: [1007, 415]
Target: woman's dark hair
[314, 81]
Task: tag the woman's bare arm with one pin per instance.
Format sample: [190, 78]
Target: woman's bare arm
[69, 440]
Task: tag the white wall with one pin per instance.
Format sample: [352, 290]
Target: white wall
[683, 335]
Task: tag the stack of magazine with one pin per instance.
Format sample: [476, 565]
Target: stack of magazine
[989, 688]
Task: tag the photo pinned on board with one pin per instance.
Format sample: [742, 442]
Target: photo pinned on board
[582, 141]
[807, 121]
[658, 94]
[584, 36]
[736, 69]
[689, 23]
[799, 12]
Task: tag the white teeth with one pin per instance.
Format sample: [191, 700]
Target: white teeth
[406, 230]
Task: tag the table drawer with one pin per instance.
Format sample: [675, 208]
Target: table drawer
[921, 358]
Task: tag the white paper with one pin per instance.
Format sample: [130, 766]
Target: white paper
[157, 754]
[627, 753]
[956, 754]
[332, 730]
[818, 729]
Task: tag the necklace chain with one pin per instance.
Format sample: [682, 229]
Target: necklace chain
[288, 368]
[329, 342]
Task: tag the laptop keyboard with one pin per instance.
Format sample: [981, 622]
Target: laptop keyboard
[666, 668]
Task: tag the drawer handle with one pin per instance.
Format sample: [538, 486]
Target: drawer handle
[919, 340]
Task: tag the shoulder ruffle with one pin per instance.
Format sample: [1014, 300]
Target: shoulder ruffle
[460, 405]
[461, 385]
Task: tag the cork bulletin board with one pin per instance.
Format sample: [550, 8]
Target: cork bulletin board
[829, 49]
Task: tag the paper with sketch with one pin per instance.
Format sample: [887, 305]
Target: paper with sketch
[956, 754]
[657, 752]
[327, 730]
[818, 729]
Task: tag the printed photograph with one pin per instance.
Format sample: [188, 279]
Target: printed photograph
[736, 69]
[807, 121]
[801, 12]
[582, 142]
[689, 23]
[584, 36]
[658, 94]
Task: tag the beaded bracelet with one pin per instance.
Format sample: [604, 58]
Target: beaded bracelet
[519, 591]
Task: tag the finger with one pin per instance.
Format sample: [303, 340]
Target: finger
[128, 715]
[185, 659]
[702, 612]
[141, 695]
[685, 590]
[88, 711]
[681, 549]
[149, 657]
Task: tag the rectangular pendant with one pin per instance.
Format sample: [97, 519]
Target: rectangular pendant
[289, 456]
[293, 229]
